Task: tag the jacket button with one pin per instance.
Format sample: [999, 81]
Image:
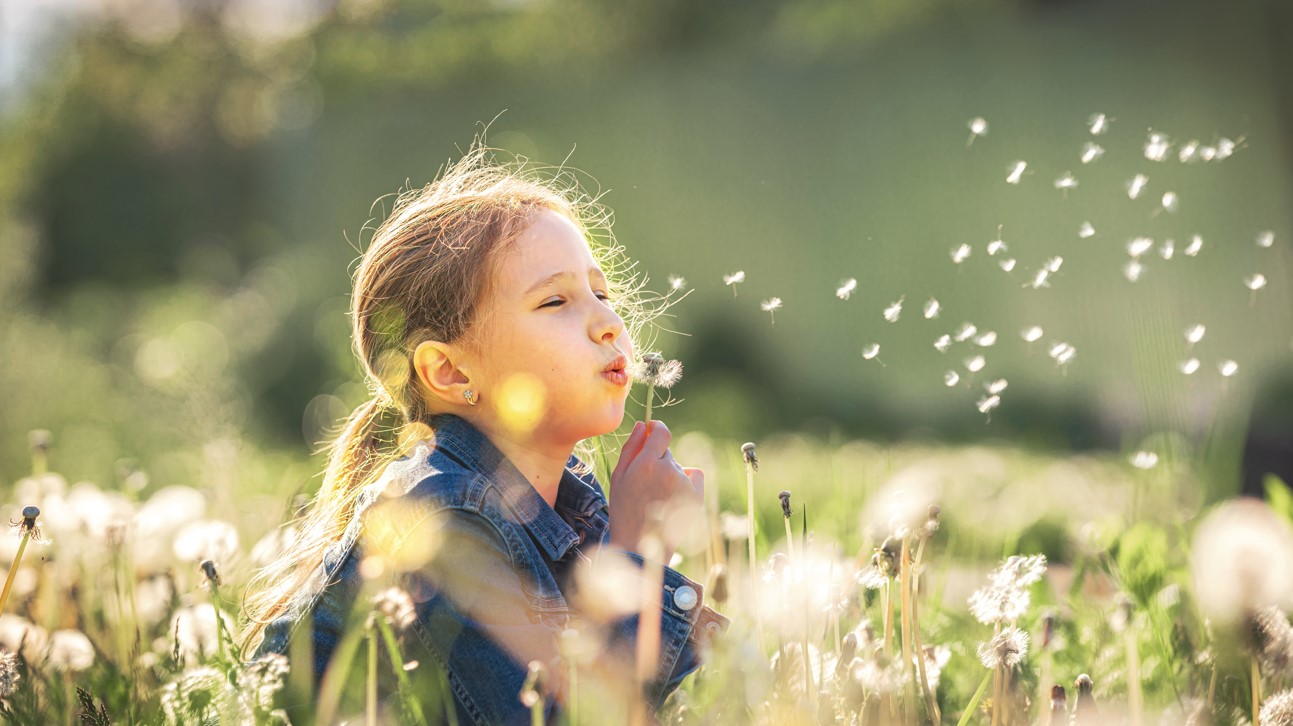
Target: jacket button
[685, 597]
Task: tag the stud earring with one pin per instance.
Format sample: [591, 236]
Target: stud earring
[470, 395]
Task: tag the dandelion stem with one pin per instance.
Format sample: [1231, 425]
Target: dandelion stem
[904, 588]
[407, 695]
[1257, 692]
[648, 642]
[1133, 675]
[370, 711]
[13, 571]
[754, 560]
[978, 696]
[650, 398]
[996, 695]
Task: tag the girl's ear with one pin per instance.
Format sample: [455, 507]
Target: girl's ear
[437, 366]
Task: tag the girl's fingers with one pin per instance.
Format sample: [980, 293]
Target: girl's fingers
[630, 450]
[697, 477]
[657, 441]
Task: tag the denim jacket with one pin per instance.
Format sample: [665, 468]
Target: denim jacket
[494, 595]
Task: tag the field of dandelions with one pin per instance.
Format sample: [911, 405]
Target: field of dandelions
[866, 584]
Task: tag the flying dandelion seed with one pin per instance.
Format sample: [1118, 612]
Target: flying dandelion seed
[1196, 244]
[1098, 123]
[960, 254]
[1053, 264]
[1195, 333]
[1189, 366]
[846, 288]
[1086, 231]
[1266, 239]
[677, 283]
[1167, 249]
[1066, 181]
[1091, 151]
[1139, 246]
[965, 332]
[1062, 353]
[951, 378]
[1007, 264]
[943, 343]
[1136, 185]
[978, 127]
[1207, 153]
[987, 340]
[1157, 146]
[771, 306]
[1225, 147]
[1016, 172]
[734, 279]
[871, 350]
[1040, 279]
[892, 312]
[1144, 460]
[1255, 282]
[1169, 202]
[931, 309]
[1228, 368]
[975, 363]
[1133, 270]
[1189, 153]
[1031, 335]
[997, 386]
[987, 403]
[996, 246]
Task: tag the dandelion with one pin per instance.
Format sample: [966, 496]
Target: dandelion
[1139, 246]
[734, 279]
[209, 539]
[1085, 711]
[1266, 238]
[1189, 366]
[1066, 181]
[1157, 147]
[1255, 282]
[1086, 231]
[1271, 640]
[656, 372]
[1091, 151]
[677, 282]
[892, 312]
[960, 253]
[771, 306]
[975, 363]
[965, 332]
[1136, 185]
[931, 309]
[1098, 123]
[1196, 244]
[1133, 270]
[1228, 368]
[943, 343]
[978, 127]
[846, 288]
[1144, 460]
[1167, 249]
[70, 651]
[986, 340]
[751, 466]
[19, 635]
[1233, 556]
[28, 529]
[1006, 649]
[8, 673]
[951, 378]
[1278, 709]
[1194, 333]
[1007, 264]
[1016, 172]
[1189, 152]
[1032, 334]
[870, 351]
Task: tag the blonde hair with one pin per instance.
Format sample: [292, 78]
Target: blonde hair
[423, 276]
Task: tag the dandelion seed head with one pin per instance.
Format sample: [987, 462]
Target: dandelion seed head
[747, 453]
[9, 675]
[772, 303]
[1133, 270]
[1098, 124]
[1006, 649]
[1091, 151]
[951, 378]
[1066, 181]
[1196, 244]
[1136, 185]
[994, 604]
[1189, 366]
[986, 340]
[960, 253]
[1157, 147]
[677, 282]
[1007, 264]
[1228, 368]
[1255, 282]
[931, 309]
[209, 539]
[974, 364]
[653, 369]
[894, 310]
[1144, 460]
[1195, 333]
[734, 278]
[871, 350]
[846, 288]
[978, 126]
[1086, 231]
[1277, 710]
[70, 651]
[1266, 238]
[943, 343]
[1031, 335]
[1233, 556]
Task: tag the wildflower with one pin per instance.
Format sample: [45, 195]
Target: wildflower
[1086, 231]
[943, 343]
[396, 606]
[70, 651]
[975, 364]
[1144, 460]
[987, 339]
[931, 309]
[951, 378]
[965, 332]
[1228, 368]
[1133, 270]
[1136, 185]
[734, 279]
[1016, 172]
[1270, 637]
[1277, 710]
[1255, 282]
[846, 288]
[1098, 123]
[1091, 151]
[1157, 146]
[677, 282]
[1265, 239]
[209, 539]
[1189, 366]
[654, 370]
[978, 127]
[1139, 246]
[870, 351]
[892, 312]
[1032, 335]
[1006, 649]
[1007, 264]
[8, 673]
[1196, 244]
[1169, 201]
[1066, 182]
[1239, 558]
[747, 453]
[770, 306]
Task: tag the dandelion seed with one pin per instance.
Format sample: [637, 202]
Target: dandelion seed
[943, 343]
[1133, 270]
[1053, 264]
[734, 279]
[1098, 123]
[960, 254]
[654, 370]
[677, 282]
[1091, 151]
[1266, 239]
[996, 246]
[951, 378]
[1086, 231]
[1031, 335]
[1189, 366]
[1167, 249]
[1040, 279]
[771, 306]
[978, 127]
[975, 364]
[1007, 264]
[1195, 333]
[1157, 146]
[996, 604]
[987, 340]
[1136, 185]
[1189, 152]
[1255, 282]
[892, 312]
[997, 386]
[1169, 201]
[1225, 147]
[846, 288]
[1196, 244]
[1140, 246]
[987, 403]
[1006, 649]
[1228, 368]
[1016, 172]
[931, 309]
[1144, 460]
[871, 350]
[1062, 353]
[1066, 181]
[965, 332]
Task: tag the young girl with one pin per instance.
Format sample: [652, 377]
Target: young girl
[491, 327]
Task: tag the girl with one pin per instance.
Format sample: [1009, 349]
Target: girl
[491, 326]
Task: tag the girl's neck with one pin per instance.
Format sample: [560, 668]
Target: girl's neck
[543, 466]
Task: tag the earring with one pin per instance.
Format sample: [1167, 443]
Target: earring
[470, 395]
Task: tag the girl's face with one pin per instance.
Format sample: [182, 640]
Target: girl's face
[548, 338]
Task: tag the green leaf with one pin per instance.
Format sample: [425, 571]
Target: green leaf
[1279, 495]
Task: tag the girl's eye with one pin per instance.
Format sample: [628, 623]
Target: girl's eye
[555, 302]
[604, 297]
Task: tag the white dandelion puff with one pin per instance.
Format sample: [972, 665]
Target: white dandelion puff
[1255, 282]
[987, 403]
[1098, 124]
[1189, 152]
[1031, 335]
[894, 310]
[1170, 201]
[871, 350]
[1136, 185]
[1195, 333]
[1086, 231]
[1189, 366]
[932, 307]
[1228, 368]
[965, 332]
[846, 288]
[771, 306]
[1007, 264]
[1167, 249]
[1266, 238]
[1040, 279]
[1157, 146]
[677, 282]
[978, 127]
[1091, 151]
[1016, 172]
[1140, 246]
[974, 364]
[961, 254]
[1006, 649]
[1066, 181]
[997, 386]
[1144, 460]
[995, 604]
[1133, 270]
[951, 378]
[734, 279]
[987, 340]
[1196, 244]
[943, 343]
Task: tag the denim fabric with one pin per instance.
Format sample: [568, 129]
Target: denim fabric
[493, 597]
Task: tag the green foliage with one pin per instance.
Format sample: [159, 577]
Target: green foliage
[1142, 554]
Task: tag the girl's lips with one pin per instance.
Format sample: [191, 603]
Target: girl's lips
[617, 377]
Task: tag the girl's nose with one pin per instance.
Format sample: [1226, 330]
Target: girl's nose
[608, 326]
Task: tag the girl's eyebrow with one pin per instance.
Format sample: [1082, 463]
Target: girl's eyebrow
[564, 274]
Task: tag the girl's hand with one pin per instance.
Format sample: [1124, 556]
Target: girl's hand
[647, 476]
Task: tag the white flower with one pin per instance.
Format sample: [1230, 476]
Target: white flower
[1091, 151]
[1255, 282]
[1266, 239]
[1196, 244]
[1228, 368]
[1016, 172]
[931, 309]
[846, 288]
[951, 378]
[1240, 560]
[70, 650]
[960, 253]
[892, 312]
[1086, 231]
[1136, 185]
[1098, 123]
[871, 350]
[1157, 146]
[1189, 366]
[1194, 333]
[1032, 334]
[1144, 460]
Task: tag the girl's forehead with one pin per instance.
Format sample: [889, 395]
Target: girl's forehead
[551, 244]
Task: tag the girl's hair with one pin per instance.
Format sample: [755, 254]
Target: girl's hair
[427, 269]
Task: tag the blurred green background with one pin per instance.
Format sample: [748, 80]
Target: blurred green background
[185, 186]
